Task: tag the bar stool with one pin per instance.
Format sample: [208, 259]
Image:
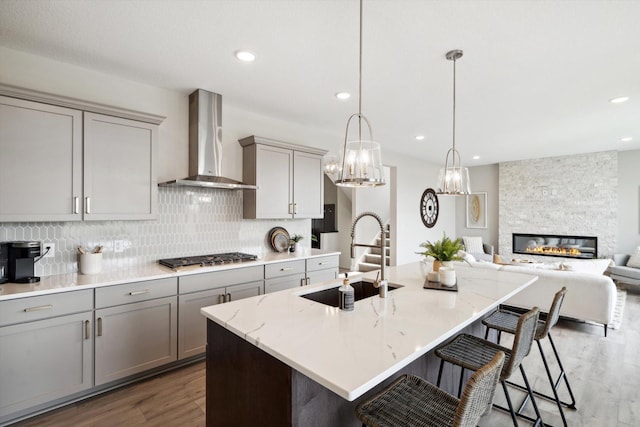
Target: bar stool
[505, 321]
[471, 352]
[411, 401]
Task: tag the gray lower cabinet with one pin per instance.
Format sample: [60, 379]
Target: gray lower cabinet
[322, 268]
[284, 275]
[202, 290]
[135, 328]
[46, 346]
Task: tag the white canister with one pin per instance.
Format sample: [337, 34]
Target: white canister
[447, 276]
[433, 276]
[90, 263]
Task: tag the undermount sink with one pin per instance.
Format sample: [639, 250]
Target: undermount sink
[363, 289]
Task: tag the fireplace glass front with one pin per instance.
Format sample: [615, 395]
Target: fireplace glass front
[581, 247]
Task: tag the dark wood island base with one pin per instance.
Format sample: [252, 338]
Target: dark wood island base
[248, 387]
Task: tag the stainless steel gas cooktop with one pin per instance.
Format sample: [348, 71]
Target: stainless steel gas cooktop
[207, 260]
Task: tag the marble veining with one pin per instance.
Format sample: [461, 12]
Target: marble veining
[351, 352]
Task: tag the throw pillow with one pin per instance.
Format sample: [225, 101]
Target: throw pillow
[473, 244]
[634, 261]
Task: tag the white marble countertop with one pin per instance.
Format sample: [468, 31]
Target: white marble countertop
[351, 352]
[75, 281]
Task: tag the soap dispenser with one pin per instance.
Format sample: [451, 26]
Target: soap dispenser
[346, 294]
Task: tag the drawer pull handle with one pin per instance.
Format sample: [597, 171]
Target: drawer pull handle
[221, 298]
[228, 298]
[41, 307]
[86, 330]
[99, 326]
[76, 205]
[322, 263]
[87, 205]
[143, 291]
[286, 268]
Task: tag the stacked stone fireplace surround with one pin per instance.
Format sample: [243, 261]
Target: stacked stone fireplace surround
[569, 195]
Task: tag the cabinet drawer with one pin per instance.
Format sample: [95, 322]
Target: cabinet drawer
[134, 292]
[41, 307]
[322, 263]
[288, 282]
[219, 279]
[284, 268]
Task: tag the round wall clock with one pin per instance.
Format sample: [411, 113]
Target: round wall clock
[429, 207]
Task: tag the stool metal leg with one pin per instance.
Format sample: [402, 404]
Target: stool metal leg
[460, 382]
[440, 372]
[563, 374]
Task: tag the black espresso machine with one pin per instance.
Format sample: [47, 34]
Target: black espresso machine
[17, 261]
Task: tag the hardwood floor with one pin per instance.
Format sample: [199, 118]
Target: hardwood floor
[604, 374]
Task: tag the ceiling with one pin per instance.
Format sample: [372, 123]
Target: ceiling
[534, 81]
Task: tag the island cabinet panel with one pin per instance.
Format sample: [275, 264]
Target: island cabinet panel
[289, 177]
[119, 153]
[45, 352]
[40, 161]
[284, 275]
[202, 290]
[138, 334]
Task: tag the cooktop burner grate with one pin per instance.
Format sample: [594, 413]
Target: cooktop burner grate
[207, 260]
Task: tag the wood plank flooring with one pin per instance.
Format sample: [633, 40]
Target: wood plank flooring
[604, 374]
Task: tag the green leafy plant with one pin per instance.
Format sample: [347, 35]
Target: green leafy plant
[296, 238]
[442, 250]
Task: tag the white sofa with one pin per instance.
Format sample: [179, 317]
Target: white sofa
[591, 296]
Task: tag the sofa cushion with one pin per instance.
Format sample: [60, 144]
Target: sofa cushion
[595, 266]
[473, 244]
[634, 261]
[628, 272]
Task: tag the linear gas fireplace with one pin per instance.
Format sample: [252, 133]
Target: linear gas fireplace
[581, 247]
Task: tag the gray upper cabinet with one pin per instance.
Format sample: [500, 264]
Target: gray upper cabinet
[289, 178]
[40, 161]
[119, 173]
[69, 164]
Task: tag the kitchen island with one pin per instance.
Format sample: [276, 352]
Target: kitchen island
[280, 359]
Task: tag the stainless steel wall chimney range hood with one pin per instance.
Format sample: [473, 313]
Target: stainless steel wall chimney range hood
[205, 145]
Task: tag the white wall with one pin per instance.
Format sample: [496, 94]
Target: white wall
[629, 201]
[483, 179]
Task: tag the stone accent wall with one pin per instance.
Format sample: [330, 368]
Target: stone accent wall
[569, 195]
[190, 222]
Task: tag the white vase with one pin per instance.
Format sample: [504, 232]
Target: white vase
[447, 276]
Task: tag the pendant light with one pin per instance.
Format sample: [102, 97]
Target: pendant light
[361, 158]
[453, 178]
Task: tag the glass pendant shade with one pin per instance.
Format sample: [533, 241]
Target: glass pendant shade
[453, 178]
[361, 163]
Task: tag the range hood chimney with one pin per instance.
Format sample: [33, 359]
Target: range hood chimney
[205, 145]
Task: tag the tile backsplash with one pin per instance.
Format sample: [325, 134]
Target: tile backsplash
[189, 222]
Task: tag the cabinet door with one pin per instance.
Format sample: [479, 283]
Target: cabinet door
[286, 282]
[192, 333]
[40, 161]
[44, 360]
[308, 185]
[192, 330]
[245, 290]
[119, 168]
[274, 175]
[322, 275]
[135, 337]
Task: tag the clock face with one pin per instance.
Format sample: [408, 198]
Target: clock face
[429, 207]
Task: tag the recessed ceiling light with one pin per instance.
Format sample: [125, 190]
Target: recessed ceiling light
[245, 56]
[626, 139]
[619, 99]
[343, 95]
[476, 157]
[420, 137]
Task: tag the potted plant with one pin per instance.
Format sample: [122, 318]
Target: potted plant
[444, 250]
[293, 242]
